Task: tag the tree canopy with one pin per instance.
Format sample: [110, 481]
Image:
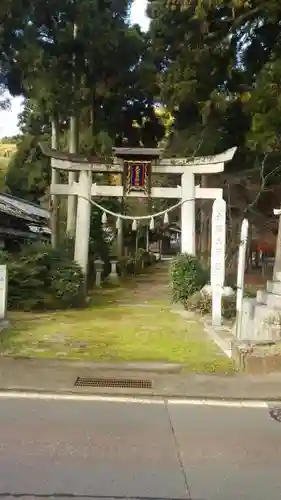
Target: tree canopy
[214, 66]
[79, 58]
[219, 65]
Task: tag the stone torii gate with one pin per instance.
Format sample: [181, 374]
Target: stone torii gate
[138, 165]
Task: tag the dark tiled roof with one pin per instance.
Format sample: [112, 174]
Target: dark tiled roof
[22, 209]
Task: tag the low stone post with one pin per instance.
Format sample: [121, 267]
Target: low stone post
[240, 275]
[99, 265]
[113, 273]
[3, 291]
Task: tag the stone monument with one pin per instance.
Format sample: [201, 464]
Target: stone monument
[218, 258]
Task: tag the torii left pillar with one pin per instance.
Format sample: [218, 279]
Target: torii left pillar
[83, 220]
[188, 214]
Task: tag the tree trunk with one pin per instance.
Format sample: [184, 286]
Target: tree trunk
[54, 201]
[73, 148]
[92, 113]
[120, 229]
[72, 177]
[204, 223]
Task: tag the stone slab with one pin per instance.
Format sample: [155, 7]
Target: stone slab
[273, 300]
[247, 317]
[262, 364]
[257, 360]
[274, 287]
[262, 297]
[266, 324]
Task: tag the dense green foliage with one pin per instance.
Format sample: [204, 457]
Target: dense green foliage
[42, 278]
[28, 174]
[80, 57]
[214, 64]
[187, 276]
[220, 63]
[219, 66]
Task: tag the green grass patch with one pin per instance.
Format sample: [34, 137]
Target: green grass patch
[111, 331]
[130, 320]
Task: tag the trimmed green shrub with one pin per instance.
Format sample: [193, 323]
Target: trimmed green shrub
[42, 278]
[202, 303]
[66, 284]
[187, 276]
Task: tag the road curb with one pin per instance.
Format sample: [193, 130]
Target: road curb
[53, 363]
[137, 398]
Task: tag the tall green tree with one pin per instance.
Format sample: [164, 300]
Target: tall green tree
[222, 58]
[104, 70]
[28, 174]
[105, 74]
[218, 66]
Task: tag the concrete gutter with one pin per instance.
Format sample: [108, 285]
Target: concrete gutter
[59, 377]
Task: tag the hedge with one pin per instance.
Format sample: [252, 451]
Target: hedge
[187, 277]
[40, 277]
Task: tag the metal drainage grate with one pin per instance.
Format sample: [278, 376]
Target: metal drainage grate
[125, 383]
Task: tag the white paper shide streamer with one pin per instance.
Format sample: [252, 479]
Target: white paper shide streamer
[104, 218]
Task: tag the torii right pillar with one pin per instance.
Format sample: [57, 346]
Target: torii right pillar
[197, 166]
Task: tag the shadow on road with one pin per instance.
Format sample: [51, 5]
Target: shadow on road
[275, 413]
[95, 497]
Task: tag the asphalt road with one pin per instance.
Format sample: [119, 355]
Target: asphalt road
[105, 450]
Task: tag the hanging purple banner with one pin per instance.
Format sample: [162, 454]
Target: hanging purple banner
[138, 175]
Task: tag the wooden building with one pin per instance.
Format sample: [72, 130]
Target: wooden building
[21, 221]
